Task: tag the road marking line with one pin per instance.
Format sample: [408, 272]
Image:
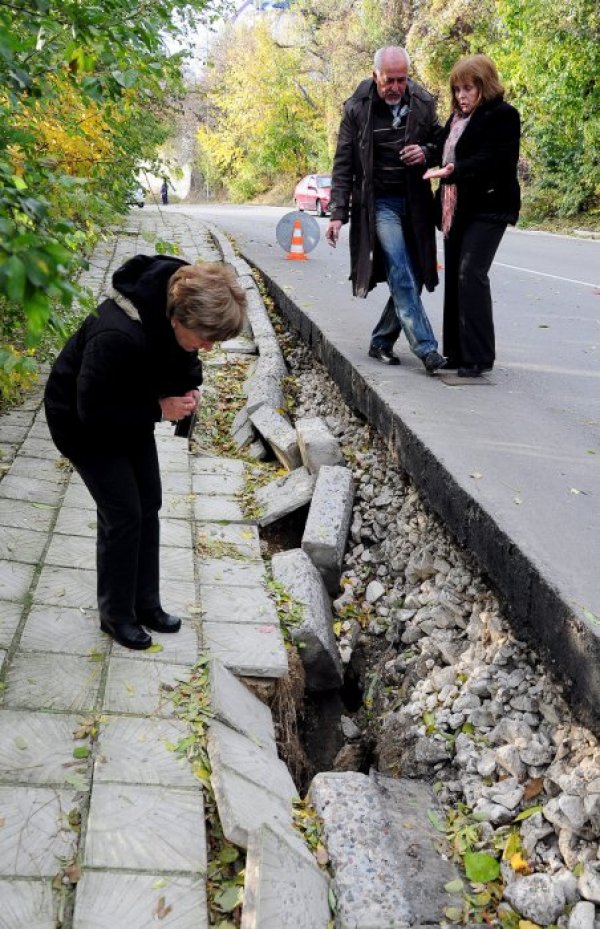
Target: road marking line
[555, 277]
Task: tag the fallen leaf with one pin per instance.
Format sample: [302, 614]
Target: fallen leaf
[527, 924]
[321, 855]
[519, 864]
[21, 743]
[155, 647]
[533, 788]
[477, 475]
[73, 873]
[161, 909]
[517, 500]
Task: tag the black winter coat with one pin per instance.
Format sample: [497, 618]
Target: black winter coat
[103, 391]
[485, 167]
[352, 187]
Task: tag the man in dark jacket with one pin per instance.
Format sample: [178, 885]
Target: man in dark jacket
[132, 363]
[388, 134]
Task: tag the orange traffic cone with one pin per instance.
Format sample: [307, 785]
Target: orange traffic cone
[296, 252]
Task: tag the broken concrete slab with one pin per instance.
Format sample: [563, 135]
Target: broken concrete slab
[115, 899]
[257, 450]
[241, 605]
[285, 494]
[382, 848]
[230, 749]
[244, 807]
[328, 523]
[264, 391]
[234, 704]
[242, 430]
[280, 435]
[247, 649]
[319, 652]
[283, 888]
[241, 345]
[317, 445]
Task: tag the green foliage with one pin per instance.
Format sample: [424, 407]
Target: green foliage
[85, 87]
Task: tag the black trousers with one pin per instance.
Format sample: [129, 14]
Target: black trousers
[468, 321]
[127, 491]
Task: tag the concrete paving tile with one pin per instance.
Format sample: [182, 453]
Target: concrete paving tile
[177, 506]
[22, 544]
[231, 749]
[76, 522]
[244, 807]
[15, 487]
[219, 484]
[67, 630]
[27, 905]
[146, 829]
[175, 532]
[231, 572]
[253, 650]
[7, 451]
[207, 464]
[66, 587]
[141, 687]
[71, 552]
[178, 563]
[78, 496]
[12, 434]
[177, 648]
[22, 515]
[244, 537]
[136, 751]
[233, 703]
[283, 889]
[15, 580]
[173, 461]
[34, 837]
[10, 614]
[39, 448]
[177, 596]
[114, 900]
[52, 682]
[36, 748]
[176, 482]
[214, 509]
[38, 468]
[15, 418]
[40, 430]
[239, 605]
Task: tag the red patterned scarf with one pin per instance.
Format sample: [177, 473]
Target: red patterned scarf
[449, 191]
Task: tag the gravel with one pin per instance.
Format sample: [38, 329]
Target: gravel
[457, 699]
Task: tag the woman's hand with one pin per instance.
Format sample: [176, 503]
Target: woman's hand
[176, 408]
[446, 171]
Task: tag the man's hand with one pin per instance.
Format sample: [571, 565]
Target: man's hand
[176, 408]
[446, 171]
[412, 155]
[332, 232]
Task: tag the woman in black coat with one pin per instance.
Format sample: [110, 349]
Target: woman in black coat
[131, 364]
[477, 198]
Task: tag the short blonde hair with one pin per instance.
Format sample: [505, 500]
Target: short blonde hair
[482, 72]
[207, 299]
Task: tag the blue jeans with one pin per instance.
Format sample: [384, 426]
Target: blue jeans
[404, 311]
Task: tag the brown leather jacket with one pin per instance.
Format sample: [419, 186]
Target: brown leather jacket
[352, 187]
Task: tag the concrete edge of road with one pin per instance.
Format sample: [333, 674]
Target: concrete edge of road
[536, 609]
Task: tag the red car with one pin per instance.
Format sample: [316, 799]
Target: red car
[313, 192]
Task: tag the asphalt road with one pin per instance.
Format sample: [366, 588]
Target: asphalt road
[525, 443]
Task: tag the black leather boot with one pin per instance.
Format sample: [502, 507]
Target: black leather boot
[128, 634]
[158, 620]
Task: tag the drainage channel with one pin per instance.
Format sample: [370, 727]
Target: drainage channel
[438, 694]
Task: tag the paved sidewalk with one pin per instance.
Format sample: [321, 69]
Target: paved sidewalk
[125, 808]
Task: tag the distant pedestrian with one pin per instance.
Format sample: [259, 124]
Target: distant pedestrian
[131, 363]
[478, 197]
[164, 192]
[388, 134]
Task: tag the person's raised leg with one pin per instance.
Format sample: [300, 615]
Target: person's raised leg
[402, 282]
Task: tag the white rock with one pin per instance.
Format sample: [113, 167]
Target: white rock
[589, 883]
[537, 898]
[374, 592]
[582, 915]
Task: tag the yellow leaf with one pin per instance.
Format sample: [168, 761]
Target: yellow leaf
[519, 864]
[527, 924]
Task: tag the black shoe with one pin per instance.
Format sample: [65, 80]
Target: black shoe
[158, 620]
[385, 355]
[128, 634]
[472, 371]
[433, 361]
